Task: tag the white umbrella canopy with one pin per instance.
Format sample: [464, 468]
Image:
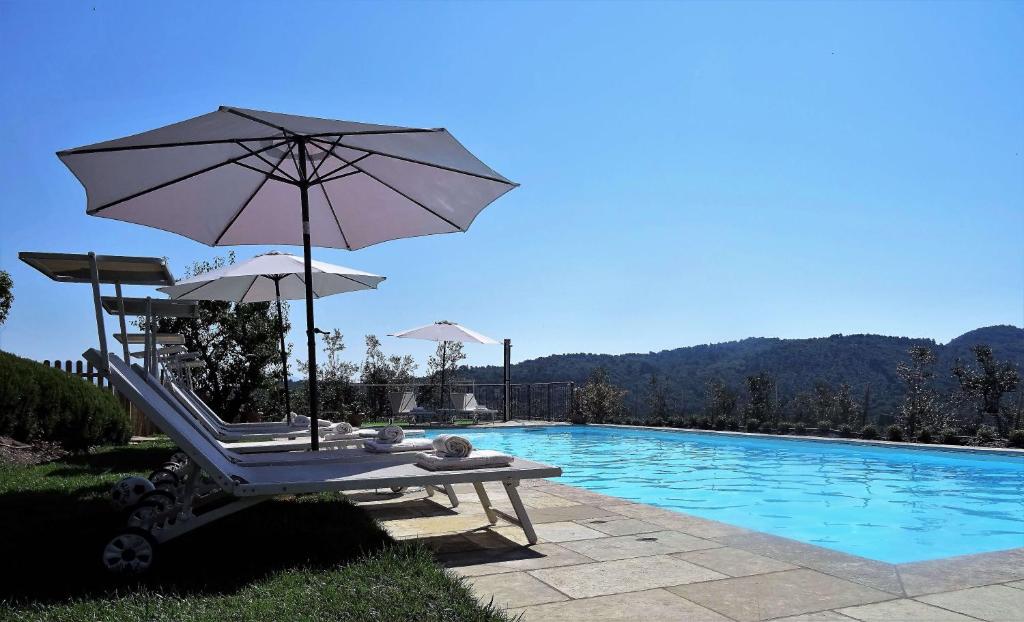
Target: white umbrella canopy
[270, 276]
[239, 176]
[444, 331]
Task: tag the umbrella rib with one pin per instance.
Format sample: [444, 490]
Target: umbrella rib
[247, 202]
[256, 119]
[249, 289]
[397, 191]
[337, 177]
[179, 179]
[284, 180]
[272, 166]
[335, 214]
[325, 178]
[422, 163]
[313, 288]
[316, 169]
[191, 291]
[193, 143]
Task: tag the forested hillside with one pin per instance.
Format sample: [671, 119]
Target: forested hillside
[797, 365]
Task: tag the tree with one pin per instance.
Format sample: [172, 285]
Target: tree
[844, 410]
[761, 389]
[988, 384]
[379, 371]
[599, 400]
[722, 402]
[6, 295]
[865, 407]
[443, 367]
[334, 379]
[657, 401]
[823, 398]
[920, 404]
[239, 345]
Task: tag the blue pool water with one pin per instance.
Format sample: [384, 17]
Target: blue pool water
[889, 504]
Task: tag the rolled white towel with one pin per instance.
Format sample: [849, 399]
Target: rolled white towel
[391, 434]
[478, 459]
[452, 446]
[303, 421]
[342, 427]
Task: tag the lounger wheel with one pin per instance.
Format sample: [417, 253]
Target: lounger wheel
[132, 551]
[151, 505]
[179, 457]
[398, 488]
[164, 479]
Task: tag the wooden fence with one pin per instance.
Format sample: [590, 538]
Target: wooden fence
[140, 426]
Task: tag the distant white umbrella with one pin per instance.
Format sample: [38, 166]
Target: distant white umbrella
[237, 176]
[444, 332]
[272, 276]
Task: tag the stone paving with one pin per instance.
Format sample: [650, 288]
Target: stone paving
[604, 558]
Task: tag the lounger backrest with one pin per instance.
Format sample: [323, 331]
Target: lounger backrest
[402, 401]
[198, 402]
[184, 412]
[163, 416]
[471, 403]
[194, 410]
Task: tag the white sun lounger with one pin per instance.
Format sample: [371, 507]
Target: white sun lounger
[247, 485]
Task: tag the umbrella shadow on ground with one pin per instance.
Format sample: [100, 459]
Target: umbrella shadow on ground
[55, 540]
[131, 459]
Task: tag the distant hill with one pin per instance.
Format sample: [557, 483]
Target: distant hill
[796, 365]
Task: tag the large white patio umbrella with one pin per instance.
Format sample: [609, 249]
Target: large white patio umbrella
[444, 332]
[272, 276]
[237, 176]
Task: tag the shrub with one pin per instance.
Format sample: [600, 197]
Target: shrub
[949, 436]
[894, 433]
[719, 424]
[766, 428]
[1016, 439]
[40, 403]
[985, 434]
[784, 427]
[732, 425]
[800, 428]
[869, 432]
[824, 428]
[846, 430]
[925, 435]
[753, 425]
[704, 423]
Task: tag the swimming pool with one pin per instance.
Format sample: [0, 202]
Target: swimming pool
[889, 504]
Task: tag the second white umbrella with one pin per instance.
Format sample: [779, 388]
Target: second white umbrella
[269, 277]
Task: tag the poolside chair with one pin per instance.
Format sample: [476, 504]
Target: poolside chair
[466, 405]
[239, 486]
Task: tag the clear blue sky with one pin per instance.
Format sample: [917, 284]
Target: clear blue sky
[691, 172]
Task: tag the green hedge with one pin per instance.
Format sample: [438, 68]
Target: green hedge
[40, 403]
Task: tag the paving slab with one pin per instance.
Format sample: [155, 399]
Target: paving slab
[639, 545]
[669, 519]
[766, 596]
[818, 616]
[565, 532]
[572, 512]
[625, 575]
[903, 609]
[620, 526]
[649, 606]
[479, 563]
[821, 616]
[994, 603]
[954, 573]
[513, 589]
[869, 572]
[735, 562]
[433, 525]
[1017, 584]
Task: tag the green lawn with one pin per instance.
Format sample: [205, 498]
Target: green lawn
[311, 558]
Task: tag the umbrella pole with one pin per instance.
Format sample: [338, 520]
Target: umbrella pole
[444, 352]
[284, 352]
[314, 392]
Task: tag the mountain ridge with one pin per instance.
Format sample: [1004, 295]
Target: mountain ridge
[860, 360]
